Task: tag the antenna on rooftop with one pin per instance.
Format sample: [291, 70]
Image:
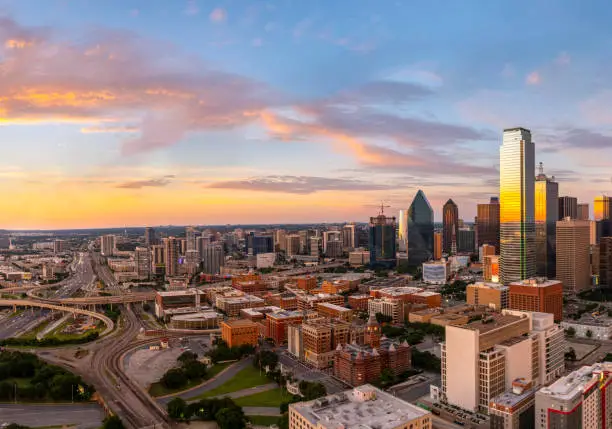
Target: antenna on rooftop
[541, 168]
[382, 207]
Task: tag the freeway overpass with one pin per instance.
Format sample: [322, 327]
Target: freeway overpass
[29, 303]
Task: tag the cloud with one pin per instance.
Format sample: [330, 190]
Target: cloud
[298, 184]
[301, 27]
[257, 42]
[111, 74]
[150, 183]
[563, 59]
[533, 78]
[580, 138]
[218, 15]
[192, 8]
[109, 129]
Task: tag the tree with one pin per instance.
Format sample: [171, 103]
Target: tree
[283, 421]
[386, 377]
[589, 333]
[174, 378]
[146, 306]
[383, 318]
[176, 408]
[266, 358]
[194, 370]
[570, 332]
[231, 418]
[312, 390]
[112, 422]
[570, 354]
[187, 357]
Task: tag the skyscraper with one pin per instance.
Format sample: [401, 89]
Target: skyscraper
[402, 233]
[574, 254]
[349, 236]
[568, 207]
[517, 200]
[605, 262]
[437, 253]
[602, 207]
[150, 236]
[546, 216]
[142, 260]
[191, 237]
[213, 258]
[583, 211]
[487, 223]
[382, 240]
[172, 250]
[107, 245]
[450, 225]
[420, 230]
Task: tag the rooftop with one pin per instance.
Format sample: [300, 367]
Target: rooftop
[536, 282]
[511, 399]
[489, 285]
[492, 322]
[180, 292]
[426, 293]
[239, 323]
[333, 306]
[402, 290]
[202, 315]
[285, 314]
[361, 408]
[571, 385]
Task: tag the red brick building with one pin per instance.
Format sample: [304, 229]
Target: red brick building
[535, 295]
[307, 282]
[359, 302]
[284, 300]
[277, 323]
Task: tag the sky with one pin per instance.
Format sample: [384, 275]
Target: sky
[153, 112]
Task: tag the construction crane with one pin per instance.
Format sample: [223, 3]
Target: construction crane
[382, 207]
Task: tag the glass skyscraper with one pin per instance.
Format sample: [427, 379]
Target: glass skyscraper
[450, 226]
[517, 201]
[402, 231]
[420, 230]
[546, 215]
[382, 241]
[487, 224]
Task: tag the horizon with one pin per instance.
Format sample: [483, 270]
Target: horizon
[191, 112]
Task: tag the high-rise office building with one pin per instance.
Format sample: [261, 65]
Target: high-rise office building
[402, 231]
[602, 207]
[172, 250]
[578, 400]
[349, 236]
[213, 258]
[332, 235]
[583, 211]
[568, 207]
[605, 262]
[191, 238]
[259, 243]
[487, 223]
[142, 260]
[546, 217]
[279, 240]
[466, 240]
[450, 226]
[517, 200]
[107, 245]
[437, 254]
[150, 237]
[420, 230]
[573, 254]
[292, 244]
[382, 240]
[158, 260]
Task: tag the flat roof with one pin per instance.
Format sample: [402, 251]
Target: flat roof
[400, 290]
[572, 384]
[511, 399]
[202, 315]
[285, 314]
[360, 408]
[181, 292]
[426, 293]
[333, 306]
[489, 285]
[537, 282]
[237, 323]
[495, 321]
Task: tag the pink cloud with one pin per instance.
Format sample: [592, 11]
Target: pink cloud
[192, 8]
[218, 15]
[533, 78]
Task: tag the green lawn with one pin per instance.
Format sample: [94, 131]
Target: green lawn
[39, 328]
[269, 398]
[245, 379]
[158, 389]
[263, 420]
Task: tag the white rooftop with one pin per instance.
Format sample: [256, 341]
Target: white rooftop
[364, 407]
[571, 385]
[181, 292]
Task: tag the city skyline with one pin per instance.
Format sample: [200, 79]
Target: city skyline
[247, 113]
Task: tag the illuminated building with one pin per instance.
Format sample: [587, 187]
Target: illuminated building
[402, 231]
[488, 223]
[493, 295]
[437, 254]
[574, 254]
[546, 216]
[602, 207]
[517, 200]
[491, 268]
[420, 230]
[450, 226]
[349, 236]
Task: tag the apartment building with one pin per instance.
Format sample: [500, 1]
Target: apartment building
[389, 307]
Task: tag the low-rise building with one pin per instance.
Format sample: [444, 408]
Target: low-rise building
[309, 302]
[336, 286]
[232, 302]
[278, 322]
[436, 272]
[284, 300]
[388, 307]
[539, 295]
[359, 302]
[596, 328]
[364, 406]
[239, 331]
[189, 298]
[326, 309]
[194, 320]
[493, 295]
[431, 299]
[515, 408]
[449, 319]
[359, 258]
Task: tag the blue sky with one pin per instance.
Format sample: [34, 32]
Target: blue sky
[291, 111]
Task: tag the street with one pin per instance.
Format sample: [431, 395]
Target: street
[82, 415]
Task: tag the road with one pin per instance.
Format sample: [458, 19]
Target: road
[302, 371]
[10, 326]
[83, 415]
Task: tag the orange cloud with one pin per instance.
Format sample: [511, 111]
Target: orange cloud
[533, 78]
[110, 129]
[17, 44]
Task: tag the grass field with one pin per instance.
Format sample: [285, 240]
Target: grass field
[263, 420]
[39, 328]
[158, 389]
[245, 379]
[269, 398]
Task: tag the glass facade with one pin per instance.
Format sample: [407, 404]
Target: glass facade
[450, 225]
[382, 241]
[546, 215]
[602, 207]
[517, 200]
[488, 224]
[402, 233]
[420, 230]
